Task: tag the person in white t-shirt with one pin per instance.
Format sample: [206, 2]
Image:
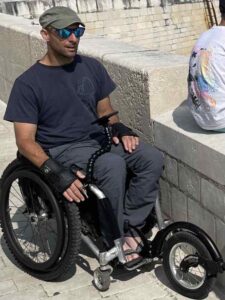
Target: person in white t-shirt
[206, 79]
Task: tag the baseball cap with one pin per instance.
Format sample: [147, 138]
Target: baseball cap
[59, 17]
[222, 6]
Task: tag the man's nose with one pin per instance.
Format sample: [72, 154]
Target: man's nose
[73, 38]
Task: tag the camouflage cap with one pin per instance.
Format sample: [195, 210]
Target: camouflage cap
[59, 17]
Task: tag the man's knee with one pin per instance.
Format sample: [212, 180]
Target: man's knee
[111, 164]
[151, 158]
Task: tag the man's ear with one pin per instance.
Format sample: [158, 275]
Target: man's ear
[45, 35]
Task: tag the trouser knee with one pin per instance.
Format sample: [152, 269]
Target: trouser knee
[110, 167]
[151, 159]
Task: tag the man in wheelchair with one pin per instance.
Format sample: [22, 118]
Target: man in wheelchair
[53, 106]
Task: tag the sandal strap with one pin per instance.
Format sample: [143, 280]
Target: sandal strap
[137, 263]
[130, 251]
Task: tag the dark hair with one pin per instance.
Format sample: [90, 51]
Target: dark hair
[223, 16]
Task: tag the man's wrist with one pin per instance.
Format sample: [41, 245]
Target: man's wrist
[119, 130]
[57, 175]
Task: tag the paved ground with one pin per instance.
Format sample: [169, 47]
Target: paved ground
[149, 284]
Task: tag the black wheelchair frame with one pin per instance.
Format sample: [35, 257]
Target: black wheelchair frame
[43, 232]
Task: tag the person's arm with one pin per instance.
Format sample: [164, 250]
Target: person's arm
[130, 141]
[62, 177]
[27, 146]
[104, 107]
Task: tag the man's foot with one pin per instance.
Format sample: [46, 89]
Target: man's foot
[131, 244]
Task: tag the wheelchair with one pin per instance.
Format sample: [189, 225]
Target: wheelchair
[43, 232]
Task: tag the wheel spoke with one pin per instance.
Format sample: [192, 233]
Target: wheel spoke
[194, 276]
[32, 228]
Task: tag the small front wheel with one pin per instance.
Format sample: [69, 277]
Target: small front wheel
[102, 279]
[182, 267]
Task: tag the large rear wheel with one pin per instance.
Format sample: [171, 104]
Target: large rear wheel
[42, 233]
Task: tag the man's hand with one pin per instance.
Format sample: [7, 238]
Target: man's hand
[75, 192]
[130, 143]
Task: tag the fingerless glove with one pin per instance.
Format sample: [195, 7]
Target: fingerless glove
[57, 175]
[120, 130]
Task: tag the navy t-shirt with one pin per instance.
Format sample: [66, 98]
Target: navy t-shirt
[61, 100]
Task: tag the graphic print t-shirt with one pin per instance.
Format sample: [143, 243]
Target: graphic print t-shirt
[206, 79]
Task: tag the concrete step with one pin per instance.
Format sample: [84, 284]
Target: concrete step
[177, 133]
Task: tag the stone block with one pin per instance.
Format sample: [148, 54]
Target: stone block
[171, 170]
[2, 264]
[24, 281]
[142, 292]
[189, 181]
[165, 197]
[27, 295]
[131, 98]
[213, 198]
[87, 293]
[143, 4]
[220, 236]
[19, 50]
[127, 282]
[162, 85]
[3, 89]
[6, 88]
[7, 287]
[220, 242]
[91, 17]
[104, 5]
[177, 134]
[82, 6]
[13, 70]
[4, 36]
[37, 46]
[102, 16]
[179, 205]
[76, 282]
[118, 4]
[198, 215]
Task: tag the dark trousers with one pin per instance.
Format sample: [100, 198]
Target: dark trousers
[133, 204]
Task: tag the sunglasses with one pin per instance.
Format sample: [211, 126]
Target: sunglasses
[64, 33]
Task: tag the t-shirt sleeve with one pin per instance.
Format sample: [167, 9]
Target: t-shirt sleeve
[105, 83]
[22, 106]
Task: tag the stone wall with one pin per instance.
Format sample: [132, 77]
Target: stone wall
[165, 25]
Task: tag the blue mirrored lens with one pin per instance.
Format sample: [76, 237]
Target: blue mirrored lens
[79, 31]
[66, 32]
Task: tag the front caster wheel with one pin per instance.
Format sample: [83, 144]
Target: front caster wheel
[182, 267]
[102, 279]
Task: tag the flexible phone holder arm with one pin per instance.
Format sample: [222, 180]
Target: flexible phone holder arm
[104, 121]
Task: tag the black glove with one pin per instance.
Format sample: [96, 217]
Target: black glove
[57, 175]
[119, 130]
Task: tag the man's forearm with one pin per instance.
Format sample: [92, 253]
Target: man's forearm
[32, 151]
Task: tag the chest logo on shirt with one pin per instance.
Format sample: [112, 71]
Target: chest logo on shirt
[85, 87]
